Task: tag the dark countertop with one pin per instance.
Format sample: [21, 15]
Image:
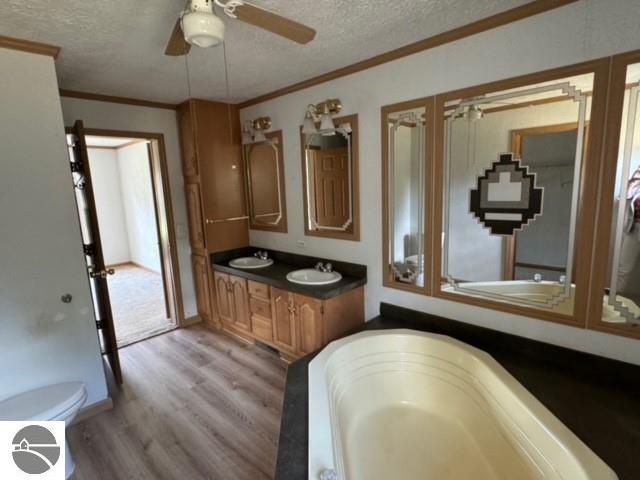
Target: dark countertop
[353, 275]
[597, 398]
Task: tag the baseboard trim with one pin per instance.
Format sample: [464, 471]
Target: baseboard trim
[94, 409]
[191, 320]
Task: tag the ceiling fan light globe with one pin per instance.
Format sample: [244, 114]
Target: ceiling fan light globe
[203, 29]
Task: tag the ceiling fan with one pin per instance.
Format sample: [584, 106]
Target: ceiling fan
[199, 25]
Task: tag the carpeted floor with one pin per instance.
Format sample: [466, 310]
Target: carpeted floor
[137, 303]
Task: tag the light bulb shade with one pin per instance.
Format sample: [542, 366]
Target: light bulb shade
[259, 136]
[246, 137]
[202, 29]
[309, 125]
[326, 125]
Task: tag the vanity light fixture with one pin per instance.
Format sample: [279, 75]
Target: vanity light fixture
[253, 130]
[322, 112]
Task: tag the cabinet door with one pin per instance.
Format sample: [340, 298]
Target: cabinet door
[223, 296]
[283, 319]
[187, 141]
[240, 299]
[194, 210]
[309, 323]
[201, 280]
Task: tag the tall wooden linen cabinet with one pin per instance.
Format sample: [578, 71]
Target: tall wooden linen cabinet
[213, 173]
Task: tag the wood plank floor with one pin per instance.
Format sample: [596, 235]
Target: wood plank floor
[196, 404]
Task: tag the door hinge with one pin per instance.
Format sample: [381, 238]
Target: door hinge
[77, 167]
[99, 324]
[89, 249]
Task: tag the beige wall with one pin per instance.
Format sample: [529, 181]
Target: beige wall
[42, 340]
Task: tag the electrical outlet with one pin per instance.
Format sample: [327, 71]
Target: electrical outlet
[301, 244]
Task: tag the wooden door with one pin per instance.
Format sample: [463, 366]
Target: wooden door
[194, 211]
[308, 313]
[331, 186]
[223, 296]
[240, 301]
[90, 231]
[283, 318]
[201, 281]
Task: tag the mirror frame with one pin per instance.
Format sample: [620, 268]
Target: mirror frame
[388, 277]
[588, 203]
[607, 177]
[354, 233]
[281, 227]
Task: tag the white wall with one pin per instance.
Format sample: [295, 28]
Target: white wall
[42, 340]
[139, 208]
[577, 32]
[105, 175]
[114, 116]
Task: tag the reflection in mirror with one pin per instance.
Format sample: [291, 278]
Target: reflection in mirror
[330, 181]
[265, 184]
[405, 196]
[513, 162]
[622, 298]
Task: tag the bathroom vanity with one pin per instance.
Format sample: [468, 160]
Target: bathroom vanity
[261, 305]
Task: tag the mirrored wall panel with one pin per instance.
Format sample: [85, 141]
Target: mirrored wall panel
[330, 167]
[622, 292]
[512, 170]
[405, 195]
[265, 184]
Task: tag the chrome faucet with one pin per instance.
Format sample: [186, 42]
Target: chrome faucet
[537, 278]
[264, 255]
[324, 268]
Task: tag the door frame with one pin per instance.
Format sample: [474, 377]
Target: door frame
[170, 264]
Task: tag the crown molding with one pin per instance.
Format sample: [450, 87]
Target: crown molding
[29, 46]
[113, 99]
[503, 18]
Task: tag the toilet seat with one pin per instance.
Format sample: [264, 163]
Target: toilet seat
[43, 404]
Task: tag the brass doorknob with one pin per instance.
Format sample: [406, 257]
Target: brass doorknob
[101, 273]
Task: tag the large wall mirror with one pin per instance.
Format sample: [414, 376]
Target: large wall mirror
[514, 159]
[330, 180]
[265, 184]
[406, 147]
[618, 285]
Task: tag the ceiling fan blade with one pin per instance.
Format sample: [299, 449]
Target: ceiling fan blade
[177, 44]
[274, 23]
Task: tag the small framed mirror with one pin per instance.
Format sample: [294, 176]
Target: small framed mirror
[406, 155]
[330, 181]
[265, 184]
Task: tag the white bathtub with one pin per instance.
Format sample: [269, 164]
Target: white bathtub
[536, 294]
[407, 405]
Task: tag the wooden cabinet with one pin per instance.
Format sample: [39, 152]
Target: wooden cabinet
[213, 171]
[200, 268]
[283, 318]
[223, 297]
[308, 312]
[232, 301]
[194, 210]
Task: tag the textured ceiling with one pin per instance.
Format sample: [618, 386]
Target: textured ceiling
[116, 47]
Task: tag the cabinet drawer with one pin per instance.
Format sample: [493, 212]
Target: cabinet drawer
[261, 328]
[260, 290]
[260, 307]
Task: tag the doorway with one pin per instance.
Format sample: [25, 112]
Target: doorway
[129, 200]
[549, 152]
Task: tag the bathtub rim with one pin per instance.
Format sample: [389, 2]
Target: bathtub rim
[321, 453]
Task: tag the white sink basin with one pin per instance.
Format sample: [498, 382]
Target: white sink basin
[250, 262]
[310, 276]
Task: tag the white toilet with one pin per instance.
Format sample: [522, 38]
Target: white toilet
[59, 402]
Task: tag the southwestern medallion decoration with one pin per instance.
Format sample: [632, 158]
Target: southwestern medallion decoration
[506, 198]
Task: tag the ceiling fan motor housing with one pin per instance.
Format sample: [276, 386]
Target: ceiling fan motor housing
[201, 26]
